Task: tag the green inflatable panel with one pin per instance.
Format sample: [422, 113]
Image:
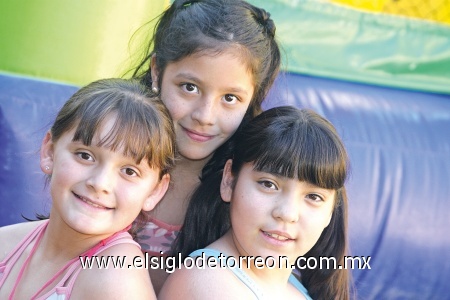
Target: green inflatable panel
[72, 41]
[80, 41]
[330, 40]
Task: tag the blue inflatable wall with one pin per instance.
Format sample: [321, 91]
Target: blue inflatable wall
[27, 109]
[399, 146]
[399, 187]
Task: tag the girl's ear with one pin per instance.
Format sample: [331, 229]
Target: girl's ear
[157, 194]
[226, 186]
[47, 151]
[154, 71]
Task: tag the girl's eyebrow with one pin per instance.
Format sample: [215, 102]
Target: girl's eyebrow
[238, 90]
[328, 192]
[78, 142]
[270, 173]
[188, 76]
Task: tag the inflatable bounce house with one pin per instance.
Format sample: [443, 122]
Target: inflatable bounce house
[378, 69]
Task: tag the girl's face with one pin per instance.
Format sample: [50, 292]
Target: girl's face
[95, 190]
[275, 216]
[207, 96]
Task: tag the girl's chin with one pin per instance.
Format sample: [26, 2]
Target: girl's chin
[195, 156]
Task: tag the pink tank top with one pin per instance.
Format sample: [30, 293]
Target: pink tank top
[156, 237]
[63, 288]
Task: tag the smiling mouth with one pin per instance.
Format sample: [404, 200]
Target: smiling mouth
[196, 136]
[276, 236]
[87, 201]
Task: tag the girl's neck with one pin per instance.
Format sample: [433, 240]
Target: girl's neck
[270, 278]
[188, 166]
[184, 179]
[61, 242]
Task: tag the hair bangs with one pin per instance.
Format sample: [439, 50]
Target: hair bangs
[136, 131]
[299, 148]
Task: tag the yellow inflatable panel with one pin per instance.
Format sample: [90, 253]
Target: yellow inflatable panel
[433, 10]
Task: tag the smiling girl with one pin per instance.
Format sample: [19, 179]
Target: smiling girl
[107, 157]
[281, 197]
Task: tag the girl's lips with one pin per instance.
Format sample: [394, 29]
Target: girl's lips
[197, 136]
[277, 237]
[90, 202]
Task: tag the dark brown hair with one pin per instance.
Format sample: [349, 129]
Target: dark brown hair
[291, 143]
[213, 26]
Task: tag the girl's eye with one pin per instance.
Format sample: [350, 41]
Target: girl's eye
[190, 88]
[230, 99]
[314, 198]
[85, 156]
[268, 184]
[130, 172]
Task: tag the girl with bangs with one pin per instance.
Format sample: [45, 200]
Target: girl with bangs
[281, 197]
[107, 157]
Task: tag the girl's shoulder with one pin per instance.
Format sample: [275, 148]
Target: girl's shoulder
[12, 235]
[204, 280]
[118, 272]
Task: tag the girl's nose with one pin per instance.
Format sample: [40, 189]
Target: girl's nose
[101, 180]
[205, 113]
[288, 208]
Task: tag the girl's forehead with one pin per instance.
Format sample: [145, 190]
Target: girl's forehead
[232, 50]
[223, 70]
[106, 128]
[105, 134]
[99, 131]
